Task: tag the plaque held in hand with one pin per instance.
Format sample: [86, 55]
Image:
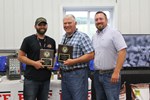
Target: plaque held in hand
[47, 55]
[64, 52]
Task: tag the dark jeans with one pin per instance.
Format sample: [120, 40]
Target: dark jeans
[75, 85]
[36, 90]
[105, 90]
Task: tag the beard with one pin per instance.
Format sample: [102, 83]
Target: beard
[100, 27]
[41, 31]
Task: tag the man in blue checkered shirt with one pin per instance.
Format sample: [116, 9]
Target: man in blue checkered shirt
[75, 71]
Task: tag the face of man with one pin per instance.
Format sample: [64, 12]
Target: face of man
[69, 25]
[41, 28]
[100, 21]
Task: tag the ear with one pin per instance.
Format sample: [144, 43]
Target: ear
[75, 22]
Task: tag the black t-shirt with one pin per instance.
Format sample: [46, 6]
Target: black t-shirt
[31, 46]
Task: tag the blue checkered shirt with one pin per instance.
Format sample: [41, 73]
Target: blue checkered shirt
[81, 45]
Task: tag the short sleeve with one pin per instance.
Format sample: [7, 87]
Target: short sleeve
[119, 41]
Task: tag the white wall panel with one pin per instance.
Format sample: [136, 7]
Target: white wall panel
[124, 16]
[37, 8]
[17, 17]
[9, 23]
[2, 33]
[144, 14]
[28, 20]
[47, 12]
[134, 16]
[18, 23]
[56, 20]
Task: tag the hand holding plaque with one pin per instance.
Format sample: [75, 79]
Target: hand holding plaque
[47, 55]
[64, 52]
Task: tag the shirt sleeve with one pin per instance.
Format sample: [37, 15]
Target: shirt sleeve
[24, 45]
[119, 41]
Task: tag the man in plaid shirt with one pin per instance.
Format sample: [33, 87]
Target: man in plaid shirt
[75, 71]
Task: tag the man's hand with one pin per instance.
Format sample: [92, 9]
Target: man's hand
[115, 77]
[69, 62]
[38, 64]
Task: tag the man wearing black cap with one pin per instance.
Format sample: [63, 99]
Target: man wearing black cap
[37, 77]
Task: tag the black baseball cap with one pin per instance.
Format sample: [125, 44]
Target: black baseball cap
[40, 20]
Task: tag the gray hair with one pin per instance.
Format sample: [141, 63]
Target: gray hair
[70, 16]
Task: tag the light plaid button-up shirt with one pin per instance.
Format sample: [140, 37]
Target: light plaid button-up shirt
[81, 45]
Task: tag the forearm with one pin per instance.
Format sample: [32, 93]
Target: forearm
[26, 60]
[84, 58]
[120, 60]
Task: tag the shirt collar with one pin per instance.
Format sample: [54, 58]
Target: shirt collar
[71, 34]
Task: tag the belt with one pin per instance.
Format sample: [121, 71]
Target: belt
[70, 70]
[105, 71]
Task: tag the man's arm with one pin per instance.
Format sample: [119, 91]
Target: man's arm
[120, 60]
[82, 59]
[119, 64]
[22, 58]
